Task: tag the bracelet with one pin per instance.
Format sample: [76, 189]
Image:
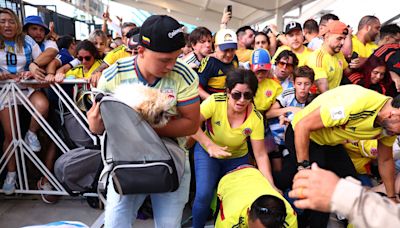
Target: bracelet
[392, 197]
[302, 167]
[35, 63]
[52, 73]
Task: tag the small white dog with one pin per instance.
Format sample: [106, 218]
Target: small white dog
[150, 103]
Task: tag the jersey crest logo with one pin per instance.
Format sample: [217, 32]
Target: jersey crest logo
[331, 69]
[374, 152]
[170, 93]
[268, 93]
[220, 72]
[247, 131]
[218, 123]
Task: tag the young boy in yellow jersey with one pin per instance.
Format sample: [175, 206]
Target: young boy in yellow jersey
[295, 39]
[268, 88]
[345, 114]
[249, 200]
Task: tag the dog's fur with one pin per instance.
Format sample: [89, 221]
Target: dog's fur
[150, 103]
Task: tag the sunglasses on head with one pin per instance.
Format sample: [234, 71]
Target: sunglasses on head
[238, 95]
[87, 58]
[266, 211]
[282, 64]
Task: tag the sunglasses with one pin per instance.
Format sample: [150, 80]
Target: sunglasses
[238, 95]
[265, 211]
[87, 58]
[282, 64]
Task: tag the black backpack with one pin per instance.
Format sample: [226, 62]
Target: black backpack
[135, 157]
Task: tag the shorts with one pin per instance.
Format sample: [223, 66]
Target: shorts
[27, 91]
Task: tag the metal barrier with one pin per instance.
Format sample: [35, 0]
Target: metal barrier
[10, 94]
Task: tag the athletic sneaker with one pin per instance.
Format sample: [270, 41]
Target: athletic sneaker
[46, 186]
[33, 142]
[9, 184]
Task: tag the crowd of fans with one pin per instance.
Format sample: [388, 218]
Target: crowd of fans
[253, 108]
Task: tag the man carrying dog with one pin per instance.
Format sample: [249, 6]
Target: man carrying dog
[156, 65]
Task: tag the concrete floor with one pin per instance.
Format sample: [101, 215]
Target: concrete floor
[27, 210]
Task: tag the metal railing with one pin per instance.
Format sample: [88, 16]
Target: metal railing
[10, 94]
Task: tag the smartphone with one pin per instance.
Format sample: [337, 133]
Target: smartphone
[229, 8]
[267, 30]
[354, 55]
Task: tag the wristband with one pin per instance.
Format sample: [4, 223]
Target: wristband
[35, 63]
[303, 165]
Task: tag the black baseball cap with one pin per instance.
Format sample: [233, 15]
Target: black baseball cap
[161, 33]
[291, 26]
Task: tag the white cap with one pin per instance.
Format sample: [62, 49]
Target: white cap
[226, 39]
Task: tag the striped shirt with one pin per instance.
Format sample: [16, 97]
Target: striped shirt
[13, 60]
[286, 99]
[181, 83]
[192, 60]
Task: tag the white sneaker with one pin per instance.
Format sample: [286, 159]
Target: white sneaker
[33, 142]
[9, 184]
[46, 186]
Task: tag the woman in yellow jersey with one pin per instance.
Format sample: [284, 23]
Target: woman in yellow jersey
[88, 55]
[230, 119]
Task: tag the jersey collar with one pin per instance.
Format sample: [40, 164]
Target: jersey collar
[141, 78]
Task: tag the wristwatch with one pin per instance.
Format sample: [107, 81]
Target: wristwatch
[305, 164]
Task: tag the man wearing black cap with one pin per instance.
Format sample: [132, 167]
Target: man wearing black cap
[294, 37]
[156, 65]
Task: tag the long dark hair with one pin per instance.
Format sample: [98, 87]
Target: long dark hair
[366, 69]
[88, 46]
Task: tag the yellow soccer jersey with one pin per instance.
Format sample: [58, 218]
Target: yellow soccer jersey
[244, 55]
[181, 83]
[237, 190]
[362, 153]
[78, 71]
[117, 53]
[267, 92]
[303, 57]
[328, 66]
[214, 110]
[348, 113]
[362, 50]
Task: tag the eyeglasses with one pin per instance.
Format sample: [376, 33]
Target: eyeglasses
[288, 65]
[87, 58]
[238, 95]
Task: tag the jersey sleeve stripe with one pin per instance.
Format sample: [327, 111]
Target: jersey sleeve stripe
[188, 101]
[319, 61]
[188, 81]
[185, 69]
